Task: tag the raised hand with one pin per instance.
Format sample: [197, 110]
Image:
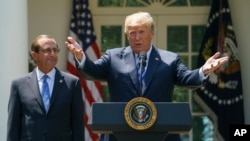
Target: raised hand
[74, 48]
[214, 63]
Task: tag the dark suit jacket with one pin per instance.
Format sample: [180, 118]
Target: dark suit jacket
[118, 68]
[27, 118]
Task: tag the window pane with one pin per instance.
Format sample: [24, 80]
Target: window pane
[179, 3]
[184, 60]
[133, 3]
[180, 94]
[194, 62]
[196, 107]
[139, 3]
[110, 3]
[143, 3]
[200, 2]
[203, 129]
[197, 36]
[126, 41]
[177, 38]
[111, 37]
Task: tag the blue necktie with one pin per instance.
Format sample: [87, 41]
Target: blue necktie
[45, 93]
[139, 71]
[141, 75]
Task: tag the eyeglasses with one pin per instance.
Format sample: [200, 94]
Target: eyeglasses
[49, 50]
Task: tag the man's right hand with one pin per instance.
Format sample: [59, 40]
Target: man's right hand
[74, 48]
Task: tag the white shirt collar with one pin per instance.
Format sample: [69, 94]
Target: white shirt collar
[40, 74]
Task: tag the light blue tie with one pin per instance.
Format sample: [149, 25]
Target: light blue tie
[141, 75]
[45, 93]
[139, 72]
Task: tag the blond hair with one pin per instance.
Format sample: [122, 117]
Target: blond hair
[139, 18]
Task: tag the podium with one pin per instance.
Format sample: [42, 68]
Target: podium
[172, 118]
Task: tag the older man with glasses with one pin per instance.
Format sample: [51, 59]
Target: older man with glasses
[45, 104]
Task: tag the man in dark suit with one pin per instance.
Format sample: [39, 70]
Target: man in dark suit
[28, 119]
[162, 69]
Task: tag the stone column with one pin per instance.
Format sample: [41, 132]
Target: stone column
[241, 22]
[13, 51]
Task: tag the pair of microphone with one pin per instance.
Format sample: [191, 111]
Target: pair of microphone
[143, 60]
[142, 63]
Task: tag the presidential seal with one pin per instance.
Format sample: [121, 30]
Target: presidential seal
[140, 113]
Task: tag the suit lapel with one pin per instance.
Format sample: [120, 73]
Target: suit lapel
[129, 60]
[153, 63]
[33, 85]
[58, 83]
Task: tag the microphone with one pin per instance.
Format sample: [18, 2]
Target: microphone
[143, 62]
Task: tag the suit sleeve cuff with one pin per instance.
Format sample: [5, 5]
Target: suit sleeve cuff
[202, 76]
[81, 62]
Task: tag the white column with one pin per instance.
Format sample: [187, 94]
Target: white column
[241, 21]
[13, 51]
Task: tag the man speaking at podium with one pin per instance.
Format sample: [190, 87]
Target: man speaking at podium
[141, 69]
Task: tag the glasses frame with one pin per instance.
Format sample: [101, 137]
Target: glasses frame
[49, 50]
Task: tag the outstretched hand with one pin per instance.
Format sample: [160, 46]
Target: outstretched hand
[214, 63]
[74, 48]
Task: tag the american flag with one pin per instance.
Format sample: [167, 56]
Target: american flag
[82, 30]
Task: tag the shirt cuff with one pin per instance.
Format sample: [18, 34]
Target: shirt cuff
[81, 62]
[202, 76]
